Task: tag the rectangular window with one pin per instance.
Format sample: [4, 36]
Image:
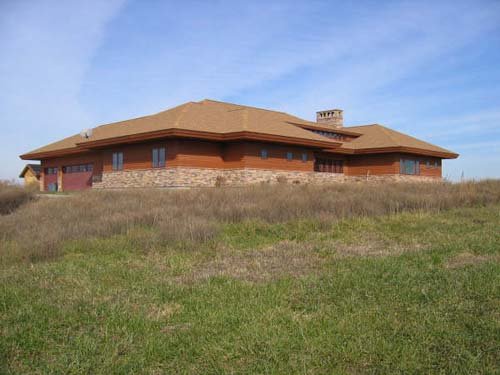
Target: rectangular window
[289, 156]
[78, 168]
[52, 170]
[409, 166]
[263, 154]
[329, 165]
[436, 164]
[304, 157]
[117, 161]
[158, 157]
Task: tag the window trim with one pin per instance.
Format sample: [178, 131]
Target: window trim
[160, 154]
[117, 161]
[416, 167]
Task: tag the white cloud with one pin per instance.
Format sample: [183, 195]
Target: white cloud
[46, 47]
[66, 69]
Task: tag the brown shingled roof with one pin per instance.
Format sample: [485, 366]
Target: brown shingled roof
[377, 137]
[207, 116]
[210, 119]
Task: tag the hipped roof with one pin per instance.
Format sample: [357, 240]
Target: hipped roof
[210, 119]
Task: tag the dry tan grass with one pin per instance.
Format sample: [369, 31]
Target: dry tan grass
[12, 196]
[468, 259]
[37, 231]
[286, 258]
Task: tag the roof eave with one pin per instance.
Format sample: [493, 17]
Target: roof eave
[315, 126]
[51, 154]
[221, 137]
[410, 150]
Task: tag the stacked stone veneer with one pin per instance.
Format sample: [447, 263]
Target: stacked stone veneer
[206, 177]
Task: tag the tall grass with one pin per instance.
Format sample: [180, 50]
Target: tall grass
[38, 230]
[12, 196]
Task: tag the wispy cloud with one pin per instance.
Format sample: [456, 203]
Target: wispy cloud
[46, 47]
[422, 67]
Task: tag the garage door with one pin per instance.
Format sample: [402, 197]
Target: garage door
[77, 177]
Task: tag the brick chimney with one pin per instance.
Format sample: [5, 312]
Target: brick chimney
[332, 117]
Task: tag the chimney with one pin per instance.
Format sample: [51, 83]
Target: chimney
[332, 117]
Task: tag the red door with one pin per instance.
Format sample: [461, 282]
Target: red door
[77, 177]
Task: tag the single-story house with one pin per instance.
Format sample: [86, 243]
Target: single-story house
[31, 174]
[210, 143]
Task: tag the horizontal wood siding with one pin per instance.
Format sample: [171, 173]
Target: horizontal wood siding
[94, 158]
[233, 154]
[381, 164]
[204, 154]
[428, 171]
[199, 154]
[139, 156]
[277, 157]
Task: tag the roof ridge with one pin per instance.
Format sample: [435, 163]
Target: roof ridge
[248, 106]
[183, 112]
[361, 126]
[387, 132]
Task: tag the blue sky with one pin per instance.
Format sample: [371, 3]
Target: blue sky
[427, 68]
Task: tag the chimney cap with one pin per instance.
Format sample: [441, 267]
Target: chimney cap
[333, 117]
[331, 110]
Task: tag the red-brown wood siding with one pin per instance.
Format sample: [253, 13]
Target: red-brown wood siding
[427, 171]
[95, 158]
[204, 154]
[277, 157]
[76, 181]
[380, 164]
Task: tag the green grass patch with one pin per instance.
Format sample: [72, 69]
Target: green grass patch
[409, 293]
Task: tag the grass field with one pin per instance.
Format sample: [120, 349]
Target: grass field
[407, 282]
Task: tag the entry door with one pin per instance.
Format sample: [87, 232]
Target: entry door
[50, 179]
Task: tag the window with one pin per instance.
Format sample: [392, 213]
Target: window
[289, 156]
[333, 135]
[78, 168]
[304, 157]
[117, 161]
[159, 157]
[436, 164]
[263, 154]
[428, 164]
[409, 166]
[52, 170]
[328, 165]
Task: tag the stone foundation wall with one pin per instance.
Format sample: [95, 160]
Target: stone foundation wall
[206, 177]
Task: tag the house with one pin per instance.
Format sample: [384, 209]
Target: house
[210, 142]
[31, 174]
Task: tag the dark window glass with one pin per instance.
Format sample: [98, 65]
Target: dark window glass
[329, 165]
[289, 156]
[304, 157]
[155, 158]
[51, 170]
[117, 161]
[159, 157]
[263, 154]
[409, 166]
